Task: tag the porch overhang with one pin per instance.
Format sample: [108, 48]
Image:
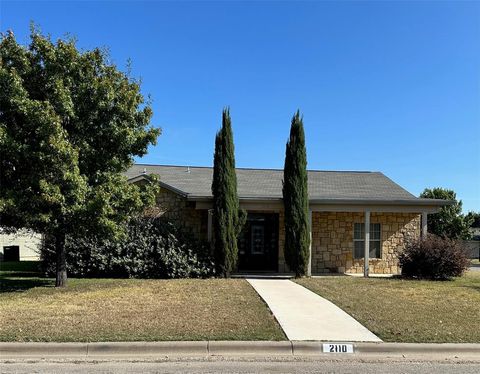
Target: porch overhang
[247, 203]
[417, 205]
[336, 205]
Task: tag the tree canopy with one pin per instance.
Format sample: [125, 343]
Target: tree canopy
[70, 124]
[449, 221]
[228, 219]
[295, 199]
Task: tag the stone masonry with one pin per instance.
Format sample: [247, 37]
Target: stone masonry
[177, 209]
[332, 234]
[332, 244]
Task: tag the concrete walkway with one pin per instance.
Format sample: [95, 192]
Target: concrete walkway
[303, 315]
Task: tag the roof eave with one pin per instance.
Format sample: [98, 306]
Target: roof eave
[141, 177]
[404, 202]
[241, 198]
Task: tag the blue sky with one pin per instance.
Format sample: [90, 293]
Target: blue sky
[384, 86]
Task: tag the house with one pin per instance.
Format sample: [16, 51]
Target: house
[473, 245]
[346, 209]
[475, 229]
[23, 245]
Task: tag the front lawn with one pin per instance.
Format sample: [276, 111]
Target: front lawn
[31, 309]
[399, 310]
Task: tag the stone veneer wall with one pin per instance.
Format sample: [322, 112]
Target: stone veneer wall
[332, 234]
[332, 244]
[282, 266]
[181, 211]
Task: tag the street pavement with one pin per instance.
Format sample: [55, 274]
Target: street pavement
[212, 366]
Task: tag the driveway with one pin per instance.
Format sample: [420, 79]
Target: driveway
[474, 268]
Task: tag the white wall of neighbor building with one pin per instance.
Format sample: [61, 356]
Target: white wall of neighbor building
[28, 241]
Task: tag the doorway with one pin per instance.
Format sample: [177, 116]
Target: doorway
[258, 243]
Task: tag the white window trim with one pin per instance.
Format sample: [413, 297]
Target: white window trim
[371, 240]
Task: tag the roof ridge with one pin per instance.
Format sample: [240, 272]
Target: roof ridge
[265, 169]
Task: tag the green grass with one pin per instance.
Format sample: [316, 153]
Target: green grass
[31, 309]
[400, 310]
[16, 267]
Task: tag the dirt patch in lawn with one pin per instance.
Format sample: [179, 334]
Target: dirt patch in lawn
[133, 310]
[408, 310]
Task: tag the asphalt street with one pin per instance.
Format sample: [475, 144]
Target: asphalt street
[353, 366]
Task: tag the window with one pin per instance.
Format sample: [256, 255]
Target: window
[359, 240]
[258, 240]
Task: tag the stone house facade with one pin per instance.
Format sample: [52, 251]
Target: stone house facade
[333, 241]
[340, 203]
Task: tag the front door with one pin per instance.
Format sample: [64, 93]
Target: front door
[258, 243]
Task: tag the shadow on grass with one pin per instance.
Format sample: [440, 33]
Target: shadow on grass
[23, 284]
[475, 287]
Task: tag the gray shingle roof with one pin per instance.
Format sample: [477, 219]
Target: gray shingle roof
[195, 182]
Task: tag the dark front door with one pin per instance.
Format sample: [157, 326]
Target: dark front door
[258, 243]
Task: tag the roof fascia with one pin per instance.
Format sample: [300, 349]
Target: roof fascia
[139, 178]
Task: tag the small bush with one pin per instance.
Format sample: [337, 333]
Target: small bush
[433, 257]
[153, 248]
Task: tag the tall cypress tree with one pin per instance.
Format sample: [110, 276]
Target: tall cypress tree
[295, 198]
[228, 219]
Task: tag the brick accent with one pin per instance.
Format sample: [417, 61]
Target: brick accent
[332, 244]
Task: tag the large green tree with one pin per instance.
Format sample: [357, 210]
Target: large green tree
[295, 199]
[449, 221]
[473, 219]
[228, 219]
[70, 124]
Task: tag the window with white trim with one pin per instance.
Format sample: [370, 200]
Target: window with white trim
[359, 240]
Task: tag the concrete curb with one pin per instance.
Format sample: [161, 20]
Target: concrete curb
[249, 348]
[176, 348]
[43, 349]
[233, 348]
[302, 348]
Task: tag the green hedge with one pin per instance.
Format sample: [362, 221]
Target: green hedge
[153, 248]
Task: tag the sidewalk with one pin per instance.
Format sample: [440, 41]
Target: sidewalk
[304, 315]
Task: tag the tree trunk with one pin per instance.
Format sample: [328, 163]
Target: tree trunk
[61, 280]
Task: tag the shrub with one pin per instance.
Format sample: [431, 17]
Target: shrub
[152, 248]
[433, 257]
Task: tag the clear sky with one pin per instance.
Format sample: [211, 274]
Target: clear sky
[384, 86]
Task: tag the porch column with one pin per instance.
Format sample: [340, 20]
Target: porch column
[424, 224]
[209, 225]
[309, 269]
[366, 255]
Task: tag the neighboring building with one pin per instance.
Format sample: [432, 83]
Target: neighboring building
[473, 245]
[340, 203]
[23, 245]
[475, 229]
